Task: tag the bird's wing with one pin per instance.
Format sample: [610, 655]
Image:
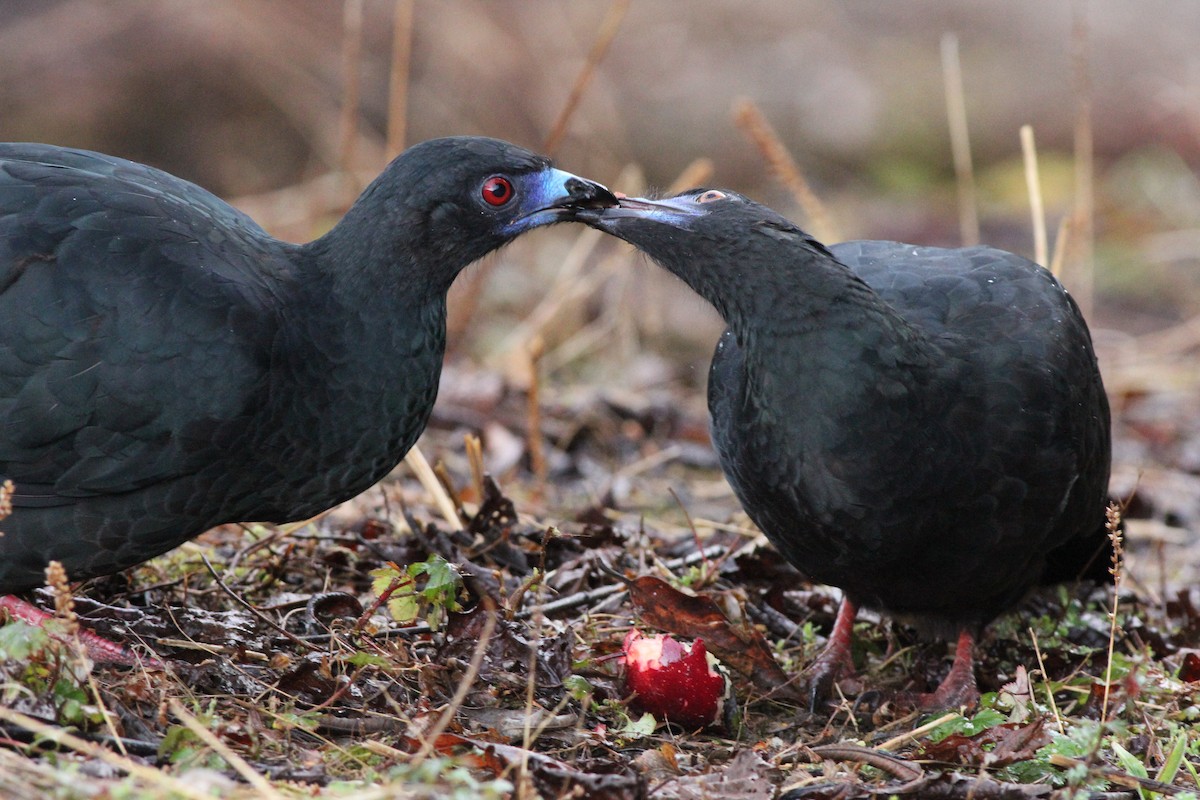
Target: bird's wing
[1024, 351]
[135, 336]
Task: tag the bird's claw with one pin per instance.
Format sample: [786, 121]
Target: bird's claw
[826, 671]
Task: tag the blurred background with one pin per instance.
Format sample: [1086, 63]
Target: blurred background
[270, 104]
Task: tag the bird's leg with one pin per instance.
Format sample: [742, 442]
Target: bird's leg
[958, 687]
[99, 649]
[835, 661]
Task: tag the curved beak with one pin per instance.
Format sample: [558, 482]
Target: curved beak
[553, 195]
[674, 211]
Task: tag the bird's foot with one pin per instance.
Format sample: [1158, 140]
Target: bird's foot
[834, 663]
[957, 689]
[98, 649]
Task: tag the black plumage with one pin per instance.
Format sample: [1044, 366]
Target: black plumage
[924, 428]
[166, 366]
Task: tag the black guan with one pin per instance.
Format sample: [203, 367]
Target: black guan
[924, 428]
[167, 366]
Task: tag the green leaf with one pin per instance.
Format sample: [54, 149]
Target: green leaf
[1174, 758]
[363, 659]
[20, 640]
[1133, 766]
[640, 728]
[577, 686]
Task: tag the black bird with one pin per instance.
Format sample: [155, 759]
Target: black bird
[166, 366]
[924, 428]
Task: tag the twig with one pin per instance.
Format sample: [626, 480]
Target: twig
[420, 467]
[536, 625]
[537, 445]
[291, 637]
[917, 733]
[352, 23]
[402, 31]
[960, 143]
[91, 750]
[393, 586]
[599, 593]
[608, 32]
[260, 784]
[460, 694]
[1033, 182]
[568, 285]
[1046, 681]
[897, 767]
[754, 124]
[708, 567]
[1114, 775]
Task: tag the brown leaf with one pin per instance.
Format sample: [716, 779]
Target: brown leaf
[505, 670]
[995, 747]
[555, 778]
[697, 616]
[746, 777]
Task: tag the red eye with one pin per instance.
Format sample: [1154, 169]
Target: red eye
[497, 190]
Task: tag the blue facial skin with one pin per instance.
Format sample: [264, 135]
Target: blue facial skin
[553, 195]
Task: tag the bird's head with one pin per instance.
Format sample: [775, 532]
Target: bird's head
[660, 227]
[720, 243]
[444, 203]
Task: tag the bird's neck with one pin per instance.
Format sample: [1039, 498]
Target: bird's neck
[798, 304]
[814, 332]
[367, 262]
[366, 344]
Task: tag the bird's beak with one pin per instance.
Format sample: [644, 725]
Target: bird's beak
[674, 211]
[555, 196]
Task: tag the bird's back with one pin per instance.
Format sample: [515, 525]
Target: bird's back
[136, 336]
[945, 493]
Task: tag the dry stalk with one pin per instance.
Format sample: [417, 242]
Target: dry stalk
[420, 466]
[447, 481]
[352, 24]
[1046, 681]
[1085, 204]
[460, 694]
[402, 32]
[960, 143]
[568, 287]
[1113, 525]
[537, 448]
[64, 611]
[1033, 182]
[474, 448]
[1062, 243]
[64, 602]
[149, 775]
[754, 124]
[239, 765]
[917, 733]
[604, 38]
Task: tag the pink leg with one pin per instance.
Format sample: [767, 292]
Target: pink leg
[958, 688]
[99, 649]
[835, 661]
